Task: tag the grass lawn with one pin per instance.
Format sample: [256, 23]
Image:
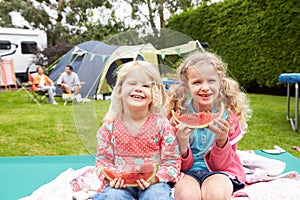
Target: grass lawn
[28, 130]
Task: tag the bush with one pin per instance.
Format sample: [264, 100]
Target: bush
[258, 39]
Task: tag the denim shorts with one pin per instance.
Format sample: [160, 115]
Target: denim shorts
[201, 175]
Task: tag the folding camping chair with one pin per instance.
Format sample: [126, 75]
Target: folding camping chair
[38, 97]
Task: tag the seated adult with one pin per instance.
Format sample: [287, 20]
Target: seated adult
[42, 82]
[69, 81]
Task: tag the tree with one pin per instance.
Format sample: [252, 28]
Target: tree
[66, 22]
[158, 8]
[61, 19]
[258, 39]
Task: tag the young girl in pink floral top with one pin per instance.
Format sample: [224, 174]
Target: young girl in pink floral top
[135, 133]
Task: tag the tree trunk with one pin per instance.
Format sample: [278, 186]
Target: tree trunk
[151, 17]
[161, 14]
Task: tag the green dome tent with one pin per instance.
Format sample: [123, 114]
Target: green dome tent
[95, 62]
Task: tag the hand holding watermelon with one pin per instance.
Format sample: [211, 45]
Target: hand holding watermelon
[117, 183]
[183, 137]
[142, 177]
[142, 184]
[211, 121]
[220, 127]
[197, 120]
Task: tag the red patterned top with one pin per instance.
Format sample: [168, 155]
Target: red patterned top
[155, 143]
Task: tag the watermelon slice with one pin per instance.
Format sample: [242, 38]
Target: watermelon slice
[197, 120]
[146, 172]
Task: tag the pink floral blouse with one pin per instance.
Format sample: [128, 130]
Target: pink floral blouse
[155, 143]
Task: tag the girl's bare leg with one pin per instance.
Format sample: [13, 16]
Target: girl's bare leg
[217, 187]
[187, 188]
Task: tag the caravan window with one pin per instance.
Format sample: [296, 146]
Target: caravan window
[5, 45]
[28, 47]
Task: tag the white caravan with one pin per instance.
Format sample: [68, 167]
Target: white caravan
[21, 46]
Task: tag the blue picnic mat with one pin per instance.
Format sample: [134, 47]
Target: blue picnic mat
[292, 162]
[20, 176]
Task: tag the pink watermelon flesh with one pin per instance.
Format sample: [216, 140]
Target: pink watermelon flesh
[197, 120]
[146, 172]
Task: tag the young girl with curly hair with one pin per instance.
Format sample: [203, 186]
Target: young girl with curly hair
[210, 162]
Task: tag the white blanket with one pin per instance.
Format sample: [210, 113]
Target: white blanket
[78, 184]
[265, 179]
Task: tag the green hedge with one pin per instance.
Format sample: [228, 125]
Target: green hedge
[258, 39]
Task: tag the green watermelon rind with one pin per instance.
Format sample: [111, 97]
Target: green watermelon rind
[177, 119]
[105, 173]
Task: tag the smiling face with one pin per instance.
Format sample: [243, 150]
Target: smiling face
[136, 91]
[204, 85]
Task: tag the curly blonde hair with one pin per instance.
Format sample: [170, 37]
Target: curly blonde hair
[230, 92]
[157, 89]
